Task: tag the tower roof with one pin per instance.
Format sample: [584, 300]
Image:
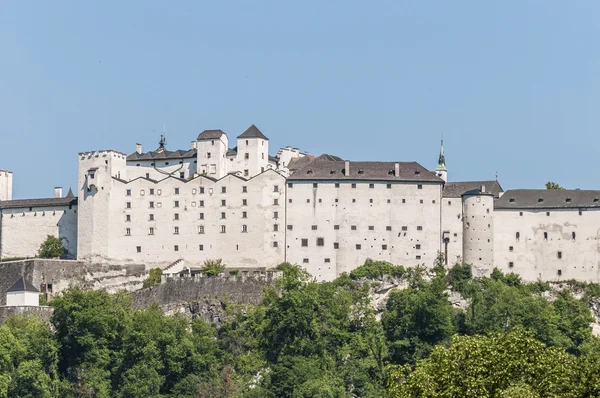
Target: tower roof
[210, 134]
[441, 166]
[22, 285]
[253, 132]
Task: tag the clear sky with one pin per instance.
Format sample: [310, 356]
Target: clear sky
[514, 86]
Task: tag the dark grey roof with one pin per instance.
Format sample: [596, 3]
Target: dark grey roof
[297, 163]
[273, 159]
[22, 285]
[49, 202]
[327, 167]
[163, 154]
[477, 192]
[547, 199]
[210, 134]
[70, 194]
[253, 132]
[231, 152]
[456, 189]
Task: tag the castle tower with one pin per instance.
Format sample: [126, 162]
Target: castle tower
[212, 151]
[96, 178]
[5, 185]
[252, 152]
[441, 170]
[478, 228]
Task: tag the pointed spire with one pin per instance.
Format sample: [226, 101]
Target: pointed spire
[161, 143]
[70, 193]
[442, 159]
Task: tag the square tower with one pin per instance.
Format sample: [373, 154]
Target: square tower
[252, 152]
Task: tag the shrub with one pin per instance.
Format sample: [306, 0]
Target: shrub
[213, 267]
[153, 278]
[51, 248]
[377, 269]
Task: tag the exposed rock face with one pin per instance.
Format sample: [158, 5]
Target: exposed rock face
[595, 307]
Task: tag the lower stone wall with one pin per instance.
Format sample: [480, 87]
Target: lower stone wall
[62, 274]
[43, 313]
[237, 289]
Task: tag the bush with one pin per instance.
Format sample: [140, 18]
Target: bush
[213, 267]
[377, 269]
[153, 278]
[458, 275]
[51, 248]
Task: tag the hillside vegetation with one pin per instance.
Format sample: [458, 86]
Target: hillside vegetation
[309, 339]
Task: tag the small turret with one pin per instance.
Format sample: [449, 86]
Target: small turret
[441, 170]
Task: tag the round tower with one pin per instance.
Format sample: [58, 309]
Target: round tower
[478, 229]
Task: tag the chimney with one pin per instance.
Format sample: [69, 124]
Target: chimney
[482, 189]
[138, 148]
[194, 145]
[347, 168]
[397, 169]
[58, 192]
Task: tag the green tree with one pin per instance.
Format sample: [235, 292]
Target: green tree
[553, 185]
[490, 366]
[213, 267]
[153, 278]
[51, 248]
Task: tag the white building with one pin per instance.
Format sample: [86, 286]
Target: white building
[5, 185]
[324, 213]
[22, 293]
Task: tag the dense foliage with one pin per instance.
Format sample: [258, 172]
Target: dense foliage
[309, 339]
[51, 248]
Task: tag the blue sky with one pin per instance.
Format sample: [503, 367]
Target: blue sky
[514, 86]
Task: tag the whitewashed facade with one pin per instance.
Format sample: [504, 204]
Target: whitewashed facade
[324, 213]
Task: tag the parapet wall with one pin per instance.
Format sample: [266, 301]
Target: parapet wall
[239, 288]
[61, 274]
[43, 313]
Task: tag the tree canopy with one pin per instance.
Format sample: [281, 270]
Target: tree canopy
[51, 248]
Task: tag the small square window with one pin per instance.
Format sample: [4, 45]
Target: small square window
[223, 229]
[336, 227]
[353, 185]
[371, 228]
[370, 200]
[389, 186]
[275, 227]
[128, 217]
[289, 200]
[176, 230]
[388, 228]
[201, 203]
[128, 192]
[511, 264]
[201, 216]
[275, 202]
[547, 213]
[290, 227]
[275, 244]
[353, 200]
[275, 188]
[313, 227]
[320, 241]
[223, 189]
[128, 205]
[176, 191]
[327, 260]
[244, 189]
[353, 227]
[176, 204]
[201, 247]
[358, 246]
[244, 214]
[418, 257]
[151, 191]
[244, 202]
[176, 248]
[201, 229]
[244, 228]
[223, 215]
[315, 185]
[559, 255]
[420, 186]
[307, 200]
[383, 247]
[151, 231]
[336, 245]
[511, 248]
[127, 231]
[337, 184]
[151, 217]
[404, 228]
[521, 213]
[304, 242]
[419, 228]
[275, 214]
[305, 260]
[403, 200]
[371, 185]
[290, 185]
[138, 249]
[223, 202]
[418, 247]
[176, 216]
[201, 189]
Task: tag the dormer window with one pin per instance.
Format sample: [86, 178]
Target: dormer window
[309, 171]
[568, 200]
[391, 172]
[595, 200]
[360, 171]
[540, 200]
[332, 172]
[512, 200]
[417, 172]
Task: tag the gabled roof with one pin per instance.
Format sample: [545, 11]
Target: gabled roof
[22, 285]
[456, 189]
[210, 135]
[548, 199]
[297, 163]
[253, 132]
[49, 202]
[328, 167]
[163, 154]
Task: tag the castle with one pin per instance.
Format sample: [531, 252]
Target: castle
[327, 214]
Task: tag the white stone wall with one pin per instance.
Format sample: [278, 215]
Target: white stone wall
[535, 256]
[478, 231]
[212, 160]
[23, 230]
[94, 204]
[249, 247]
[160, 169]
[5, 185]
[400, 224]
[257, 161]
[452, 227]
[22, 299]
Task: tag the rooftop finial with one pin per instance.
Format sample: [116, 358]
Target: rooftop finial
[441, 166]
[161, 143]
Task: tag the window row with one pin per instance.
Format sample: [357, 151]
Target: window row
[336, 200]
[353, 185]
[201, 229]
[176, 203]
[200, 190]
[336, 245]
[354, 228]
